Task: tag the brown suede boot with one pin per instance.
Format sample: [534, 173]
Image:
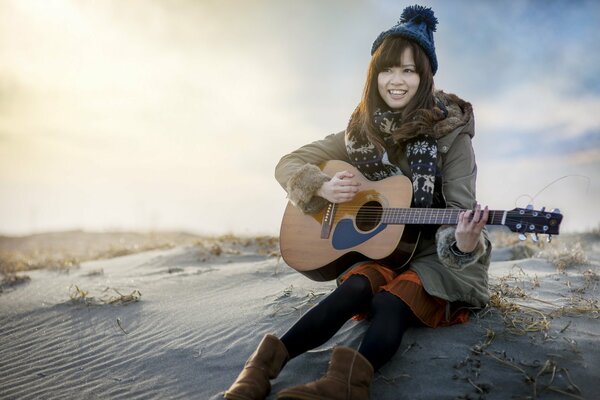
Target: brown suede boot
[264, 364]
[348, 378]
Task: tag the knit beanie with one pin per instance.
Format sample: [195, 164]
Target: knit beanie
[417, 23]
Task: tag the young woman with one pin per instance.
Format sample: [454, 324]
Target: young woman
[401, 126]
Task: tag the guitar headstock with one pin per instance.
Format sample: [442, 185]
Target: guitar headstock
[528, 220]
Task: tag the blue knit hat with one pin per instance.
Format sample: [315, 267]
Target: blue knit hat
[417, 23]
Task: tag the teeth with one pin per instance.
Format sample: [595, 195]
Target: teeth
[397, 92]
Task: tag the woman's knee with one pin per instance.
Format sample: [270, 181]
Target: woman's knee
[358, 285]
[385, 302]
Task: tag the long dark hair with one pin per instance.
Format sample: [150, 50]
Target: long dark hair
[418, 115]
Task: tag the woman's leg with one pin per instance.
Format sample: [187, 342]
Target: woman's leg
[322, 321]
[390, 319]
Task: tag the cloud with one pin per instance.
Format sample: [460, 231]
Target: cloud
[489, 46]
[528, 120]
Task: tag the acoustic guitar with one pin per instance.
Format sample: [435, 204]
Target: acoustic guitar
[373, 226]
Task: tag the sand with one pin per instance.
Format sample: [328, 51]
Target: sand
[179, 323]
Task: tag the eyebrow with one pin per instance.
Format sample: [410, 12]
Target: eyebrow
[400, 65]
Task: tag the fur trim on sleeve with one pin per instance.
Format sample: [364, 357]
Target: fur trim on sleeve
[303, 186]
[444, 239]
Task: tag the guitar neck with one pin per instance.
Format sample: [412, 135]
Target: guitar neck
[434, 216]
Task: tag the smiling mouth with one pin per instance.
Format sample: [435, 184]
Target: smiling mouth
[397, 92]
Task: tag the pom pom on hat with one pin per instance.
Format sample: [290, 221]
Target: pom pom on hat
[417, 23]
[419, 13]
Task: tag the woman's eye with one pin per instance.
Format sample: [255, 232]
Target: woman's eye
[409, 70]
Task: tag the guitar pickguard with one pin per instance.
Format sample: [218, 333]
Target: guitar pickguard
[346, 236]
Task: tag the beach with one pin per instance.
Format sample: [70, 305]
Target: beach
[177, 318]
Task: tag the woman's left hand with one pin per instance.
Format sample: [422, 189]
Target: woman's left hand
[468, 230]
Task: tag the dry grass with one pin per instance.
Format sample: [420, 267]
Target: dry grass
[12, 262]
[78, 295]
[565, 251]
[65, 250]
[519, 319]
[566, 256]
[510, 293]
[236, 245]
[267, 245]
[291, 300]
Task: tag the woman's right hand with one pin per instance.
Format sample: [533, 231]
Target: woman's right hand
[340, 189]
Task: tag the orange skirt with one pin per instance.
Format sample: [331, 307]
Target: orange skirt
[406, 285]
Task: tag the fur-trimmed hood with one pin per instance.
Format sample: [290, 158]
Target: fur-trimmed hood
[460, 113]
[459, 119]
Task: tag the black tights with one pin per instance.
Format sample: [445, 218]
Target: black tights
[390, 317]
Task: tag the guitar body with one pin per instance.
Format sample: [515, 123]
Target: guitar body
[354, 232]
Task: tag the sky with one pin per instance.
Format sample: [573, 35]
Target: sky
[156, 115]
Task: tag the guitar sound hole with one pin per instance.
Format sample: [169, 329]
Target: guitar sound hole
[369, 216]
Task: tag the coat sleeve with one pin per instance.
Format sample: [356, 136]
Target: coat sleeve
[298, 172]
[459, 177]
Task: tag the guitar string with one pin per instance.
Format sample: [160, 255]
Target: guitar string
[349, 207]
[450, 217]
[537, 227]
[422, 219]
[448, 220]
[430, 210]
[434, 212]
[443, 215]
[491, 215]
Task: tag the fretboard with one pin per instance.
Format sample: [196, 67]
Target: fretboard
[436, 216]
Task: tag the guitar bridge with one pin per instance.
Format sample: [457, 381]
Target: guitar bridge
[327, 222]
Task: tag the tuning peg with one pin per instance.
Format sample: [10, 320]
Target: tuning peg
[555, 210]
[535, 237]
[529, 206]
[543, 209]
[522, 236]
[549, 238]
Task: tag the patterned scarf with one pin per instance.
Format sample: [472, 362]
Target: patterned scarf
[374, 163]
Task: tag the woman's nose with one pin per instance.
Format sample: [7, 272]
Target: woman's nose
[396, 77]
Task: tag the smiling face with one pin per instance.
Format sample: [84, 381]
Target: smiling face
[398, 84]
